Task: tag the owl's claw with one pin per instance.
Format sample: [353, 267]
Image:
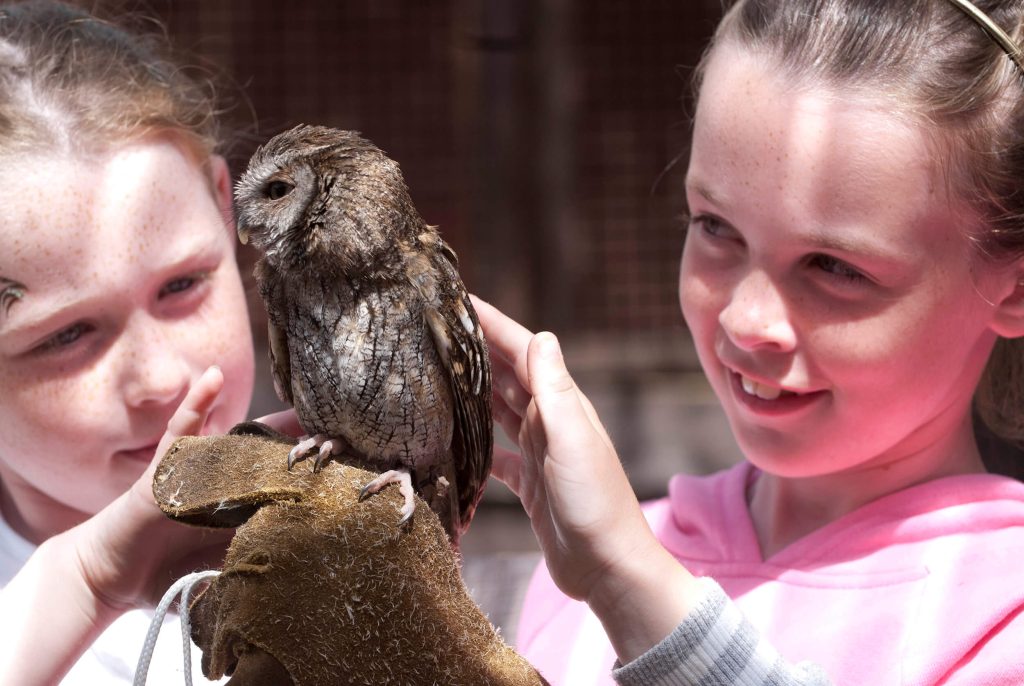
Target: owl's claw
[299, 452]
[328, 448]
[404, 481]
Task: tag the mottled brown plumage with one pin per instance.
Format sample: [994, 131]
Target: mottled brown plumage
[373, 338]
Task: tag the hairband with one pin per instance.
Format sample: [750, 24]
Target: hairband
[1000, 36]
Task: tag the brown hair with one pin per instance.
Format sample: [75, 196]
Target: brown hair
[940, 66]
[70, 81]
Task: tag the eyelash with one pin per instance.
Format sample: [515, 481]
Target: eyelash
[837, 269]
[64, 338]
[175, 285]
[705, 222]
[832, 266]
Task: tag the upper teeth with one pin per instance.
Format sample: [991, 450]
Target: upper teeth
[760, 390]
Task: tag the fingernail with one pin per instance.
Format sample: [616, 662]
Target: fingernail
[549, 347]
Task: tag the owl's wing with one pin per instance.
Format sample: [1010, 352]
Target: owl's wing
[271, 289]
[280, 364]
[460, 342]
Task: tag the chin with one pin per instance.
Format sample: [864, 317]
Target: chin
[787, 462]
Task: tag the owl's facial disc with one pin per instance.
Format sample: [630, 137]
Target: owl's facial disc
[273, 190]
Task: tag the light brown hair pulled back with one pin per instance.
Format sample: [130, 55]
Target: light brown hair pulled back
[70, 81]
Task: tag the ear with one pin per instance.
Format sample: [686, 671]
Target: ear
[220, 178]
[1008, 319]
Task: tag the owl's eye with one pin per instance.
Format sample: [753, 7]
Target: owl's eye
[278, 189]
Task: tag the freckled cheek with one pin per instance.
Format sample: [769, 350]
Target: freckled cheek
[41, 412]
[702, 296]
[871, 351]
[221, 335]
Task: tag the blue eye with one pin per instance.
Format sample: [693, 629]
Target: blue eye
[65, 337]
[837, 268]
[710, 225]
[179, 285]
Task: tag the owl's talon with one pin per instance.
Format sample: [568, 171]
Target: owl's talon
[328, 449]
[300, 451]
[365, 492]
[404, 481]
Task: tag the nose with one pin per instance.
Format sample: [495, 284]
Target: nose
[156, 372]
[757, 317]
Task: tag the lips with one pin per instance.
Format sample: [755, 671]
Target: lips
[765, 399]
[143, 454]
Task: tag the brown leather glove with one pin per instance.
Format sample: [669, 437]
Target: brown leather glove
[318, 588]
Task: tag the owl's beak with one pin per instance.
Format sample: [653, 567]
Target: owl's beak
[243, 234]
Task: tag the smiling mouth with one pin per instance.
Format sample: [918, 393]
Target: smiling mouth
[762, 391]
[144, 454]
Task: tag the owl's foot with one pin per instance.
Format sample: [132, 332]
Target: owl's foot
[327, 448]
[394, 476]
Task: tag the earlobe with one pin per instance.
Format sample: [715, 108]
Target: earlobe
[1008, 321]
[220, 177]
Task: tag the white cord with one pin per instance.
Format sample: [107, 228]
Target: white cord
[184, 586]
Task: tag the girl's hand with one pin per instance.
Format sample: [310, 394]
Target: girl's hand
[596, 542]
[568, 476]
[130, 552]
[124, 557]
[285, 421]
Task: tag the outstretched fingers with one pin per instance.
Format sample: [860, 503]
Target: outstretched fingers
[508, 342]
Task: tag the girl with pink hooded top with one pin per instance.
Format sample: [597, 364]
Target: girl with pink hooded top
[853, 280]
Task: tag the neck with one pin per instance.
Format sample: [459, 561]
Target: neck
[785, 509]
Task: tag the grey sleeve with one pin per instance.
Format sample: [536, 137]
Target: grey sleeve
[716, 646]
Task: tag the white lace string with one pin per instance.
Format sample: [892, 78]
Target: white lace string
[182, 586]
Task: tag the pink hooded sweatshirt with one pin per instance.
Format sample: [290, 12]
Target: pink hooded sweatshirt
[923, 586]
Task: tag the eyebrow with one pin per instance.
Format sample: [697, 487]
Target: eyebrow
[704, 192]
[819, 238]
[828, 241]
[855, 245]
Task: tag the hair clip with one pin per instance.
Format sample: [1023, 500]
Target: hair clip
[10, 291]
[997, 34]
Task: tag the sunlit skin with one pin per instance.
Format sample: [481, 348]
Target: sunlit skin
[131, 291]
[824, 258]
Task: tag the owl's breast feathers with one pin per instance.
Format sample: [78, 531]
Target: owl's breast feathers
[396, 366]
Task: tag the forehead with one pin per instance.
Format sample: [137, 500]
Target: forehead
[808, 148]
[68, 211]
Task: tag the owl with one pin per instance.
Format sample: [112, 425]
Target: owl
[373, 338]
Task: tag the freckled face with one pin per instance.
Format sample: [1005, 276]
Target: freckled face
[130, 290]
[828, 285]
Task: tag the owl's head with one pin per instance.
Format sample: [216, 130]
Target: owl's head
[316, 197]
